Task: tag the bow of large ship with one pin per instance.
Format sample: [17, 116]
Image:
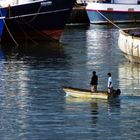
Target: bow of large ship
[41, 20]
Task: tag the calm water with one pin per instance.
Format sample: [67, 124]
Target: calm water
[33, 105]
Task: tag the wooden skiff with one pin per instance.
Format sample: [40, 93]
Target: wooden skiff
[83, 93]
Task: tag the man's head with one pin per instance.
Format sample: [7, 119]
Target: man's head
[94, 72]
[109, 74]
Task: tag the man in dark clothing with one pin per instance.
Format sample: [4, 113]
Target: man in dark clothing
[94, 82]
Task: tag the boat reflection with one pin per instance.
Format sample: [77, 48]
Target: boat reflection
[94, 112]
[97, 108]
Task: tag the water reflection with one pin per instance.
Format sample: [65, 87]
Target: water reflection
[1, 54]
[14, 101]
[33, 106]
[129, 75]
[96, 106]
[26, 78]
[94, 112]
[103, 54]
[114, 106]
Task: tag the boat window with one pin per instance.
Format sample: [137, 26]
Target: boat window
[130, 9]
[107, 1]
[110, 9]
[102, 1]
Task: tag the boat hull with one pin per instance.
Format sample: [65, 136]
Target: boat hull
[3, 13]
[82, 93]
[42, 19]
[117, 13]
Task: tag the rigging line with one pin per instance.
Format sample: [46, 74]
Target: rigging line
[108, 20]
[40, 13]
[10, 33]
[44, 36]
[31, 27]
[26, 34]
[8, 29]
[35, 15]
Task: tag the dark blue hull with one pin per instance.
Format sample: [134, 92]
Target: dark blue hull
[39, 20]
[3, 13]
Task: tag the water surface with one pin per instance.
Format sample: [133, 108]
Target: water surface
[33, 105]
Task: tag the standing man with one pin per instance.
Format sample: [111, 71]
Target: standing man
[110, 83]
[94, 82]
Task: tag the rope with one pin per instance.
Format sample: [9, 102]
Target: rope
[108, 19]
[35, 15]
[8, 29]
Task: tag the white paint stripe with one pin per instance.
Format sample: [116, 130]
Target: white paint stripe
[35, 14]
[2, 17]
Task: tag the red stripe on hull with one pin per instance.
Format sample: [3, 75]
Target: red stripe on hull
[55, 34]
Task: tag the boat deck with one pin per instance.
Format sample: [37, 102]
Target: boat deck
[132, 32]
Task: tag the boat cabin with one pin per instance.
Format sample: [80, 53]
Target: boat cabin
[6, 3]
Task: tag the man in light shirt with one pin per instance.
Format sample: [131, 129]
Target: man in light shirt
[110, 83]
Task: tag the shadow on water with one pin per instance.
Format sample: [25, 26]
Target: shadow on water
[41, 49]
[46, 54]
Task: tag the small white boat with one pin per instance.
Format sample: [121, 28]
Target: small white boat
[83, 93]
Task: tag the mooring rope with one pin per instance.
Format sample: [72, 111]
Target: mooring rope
[10, 33]
[8, 28]
[108, 20]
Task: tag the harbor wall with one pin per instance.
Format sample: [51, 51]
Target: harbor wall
[78, 16]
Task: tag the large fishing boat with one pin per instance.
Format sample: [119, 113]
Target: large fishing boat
[117, 11]
[38, 19]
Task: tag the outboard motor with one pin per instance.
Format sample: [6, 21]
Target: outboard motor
[118, 91]
[115, 93]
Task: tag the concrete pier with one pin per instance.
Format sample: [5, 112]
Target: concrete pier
[78, 15]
